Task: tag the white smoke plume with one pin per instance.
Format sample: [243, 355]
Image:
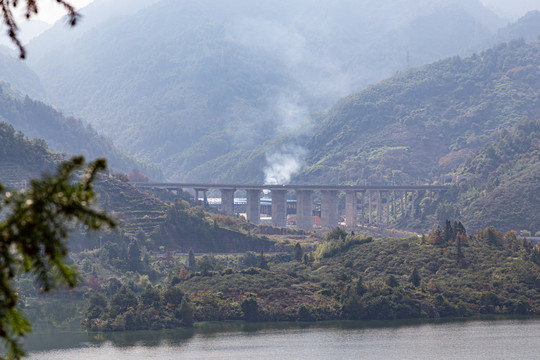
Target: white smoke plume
[283, 164]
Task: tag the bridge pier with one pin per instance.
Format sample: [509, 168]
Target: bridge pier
[393, 203]
[227, 201]
[403, 206]
[279, 208]
[304, 209]
[329, 208]
[253, 206]
[379, 208]
[403, 197]
[362, 215]
[370, 210]
[350, 208]
[387, 208]
[197, 190]
[414, 195]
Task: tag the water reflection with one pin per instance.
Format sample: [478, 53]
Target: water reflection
[235, 337]
[142, 338]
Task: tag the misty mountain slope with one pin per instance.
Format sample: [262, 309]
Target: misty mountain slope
[427, 121]
[526, 27]
[64, 134]
[60, 35]
[18, 74]
[182, 83]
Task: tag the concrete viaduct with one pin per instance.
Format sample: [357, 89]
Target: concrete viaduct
[381, 201]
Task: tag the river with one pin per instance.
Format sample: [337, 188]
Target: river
[473, 339]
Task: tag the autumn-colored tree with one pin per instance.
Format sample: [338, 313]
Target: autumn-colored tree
[137, 176]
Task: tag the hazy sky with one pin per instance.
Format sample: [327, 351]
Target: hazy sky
[512, 9]
[50, 11]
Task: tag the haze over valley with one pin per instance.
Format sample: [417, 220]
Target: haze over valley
[296, 162]
[225, 78]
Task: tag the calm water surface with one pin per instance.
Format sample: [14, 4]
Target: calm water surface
[494, 339]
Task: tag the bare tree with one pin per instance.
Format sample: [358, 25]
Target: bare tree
[31, 9]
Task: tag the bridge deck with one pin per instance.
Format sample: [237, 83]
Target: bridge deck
[171, 185]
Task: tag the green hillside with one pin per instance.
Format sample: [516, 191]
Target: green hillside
[428, 121]
[504, 184]
[347, 277]
[177, 226]
[20, 158]
[424, 124]
[155, 223]
[63, 133]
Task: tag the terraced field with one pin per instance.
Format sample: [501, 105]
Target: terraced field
[133, 209]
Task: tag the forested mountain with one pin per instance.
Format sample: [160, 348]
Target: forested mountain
[64, 134]
[182, 83]
[504, 187]
[427, 122]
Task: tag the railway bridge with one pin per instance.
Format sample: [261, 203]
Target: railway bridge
[364, 204]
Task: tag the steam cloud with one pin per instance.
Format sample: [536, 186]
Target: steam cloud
[283, 164]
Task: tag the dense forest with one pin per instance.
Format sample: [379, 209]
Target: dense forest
[504, 187]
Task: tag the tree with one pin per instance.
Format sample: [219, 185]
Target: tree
[134, 256]
[206, 265]
[33, 237]
[6, 12]
[337, 234]
[391, 281]
[250, 308]
[298, 252]
[124, 299]
[150, 297]
[98, 305]
[359, 287]
[415, 277]
[173, 295]
[192, 263]
[263, 263]
[448, 232]
[186, 312]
